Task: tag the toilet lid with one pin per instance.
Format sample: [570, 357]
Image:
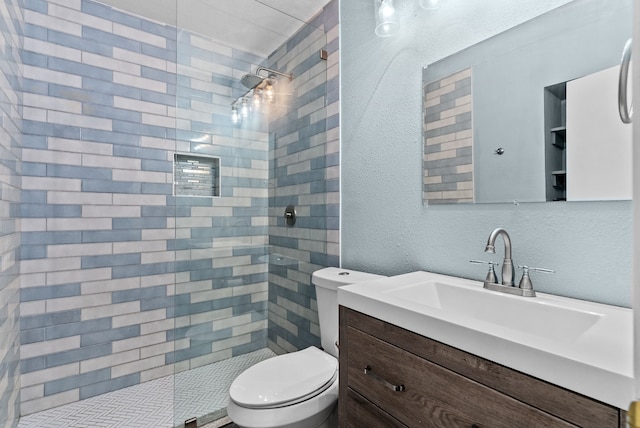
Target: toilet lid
[284, 378]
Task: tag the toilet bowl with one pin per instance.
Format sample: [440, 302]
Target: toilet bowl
[298, 389]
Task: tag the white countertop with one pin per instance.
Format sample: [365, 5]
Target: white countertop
[597, 362]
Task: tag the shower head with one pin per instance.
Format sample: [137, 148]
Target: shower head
[250, 81]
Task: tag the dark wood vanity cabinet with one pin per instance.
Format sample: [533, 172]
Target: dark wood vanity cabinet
[391, 377]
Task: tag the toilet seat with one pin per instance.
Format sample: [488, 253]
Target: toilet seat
[285, 380]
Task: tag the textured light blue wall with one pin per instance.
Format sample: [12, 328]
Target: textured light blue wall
[386, 229]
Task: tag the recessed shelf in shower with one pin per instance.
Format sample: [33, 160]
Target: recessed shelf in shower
[196, 175]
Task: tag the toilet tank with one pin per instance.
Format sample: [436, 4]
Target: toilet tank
[326, 282]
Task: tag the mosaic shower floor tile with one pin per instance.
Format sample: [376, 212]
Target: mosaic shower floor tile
[201, 392]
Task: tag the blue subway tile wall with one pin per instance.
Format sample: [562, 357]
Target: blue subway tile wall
[304, 159]
[11, 80]
[111, 260]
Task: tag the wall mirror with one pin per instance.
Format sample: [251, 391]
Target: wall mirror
[531, 114]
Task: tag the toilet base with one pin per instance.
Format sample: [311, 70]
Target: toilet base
[330, 421]
[318, 412]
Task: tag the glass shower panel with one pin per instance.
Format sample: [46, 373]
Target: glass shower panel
[96, 273]
[235, 143]
[220, 184]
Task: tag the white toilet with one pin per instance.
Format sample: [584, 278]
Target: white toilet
[299, 389]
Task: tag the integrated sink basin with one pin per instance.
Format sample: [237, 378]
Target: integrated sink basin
[583, 346]
[455, 298]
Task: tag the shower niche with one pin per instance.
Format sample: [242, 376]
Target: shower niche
[196, 175]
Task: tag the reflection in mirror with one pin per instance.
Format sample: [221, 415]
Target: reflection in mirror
[531, 114]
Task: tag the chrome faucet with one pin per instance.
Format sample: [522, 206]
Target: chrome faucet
[508, 272]
[525, 288]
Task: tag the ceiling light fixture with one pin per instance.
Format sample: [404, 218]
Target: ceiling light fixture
[244, 108]
[235, 116]
[257, 98]
[270, 90]
[262, 91]
[386, 18]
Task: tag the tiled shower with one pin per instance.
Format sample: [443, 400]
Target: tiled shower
[110, 276]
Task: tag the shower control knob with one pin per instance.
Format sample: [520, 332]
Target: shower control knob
[290, 215]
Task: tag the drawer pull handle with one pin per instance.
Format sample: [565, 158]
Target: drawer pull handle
[369, 372]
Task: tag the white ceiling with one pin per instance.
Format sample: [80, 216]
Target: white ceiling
[256, 26]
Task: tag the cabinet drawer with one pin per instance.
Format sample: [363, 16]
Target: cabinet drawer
[362, 413]
[430, 395]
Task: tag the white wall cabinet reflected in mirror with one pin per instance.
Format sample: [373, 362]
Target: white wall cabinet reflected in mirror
[598, 143]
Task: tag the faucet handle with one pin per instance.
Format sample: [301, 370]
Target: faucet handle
[528, 268]
[484, 262]
[491, 275]
[525, 281]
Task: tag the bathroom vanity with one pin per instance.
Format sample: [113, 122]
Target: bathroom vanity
[413, 381]
[392, 376]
